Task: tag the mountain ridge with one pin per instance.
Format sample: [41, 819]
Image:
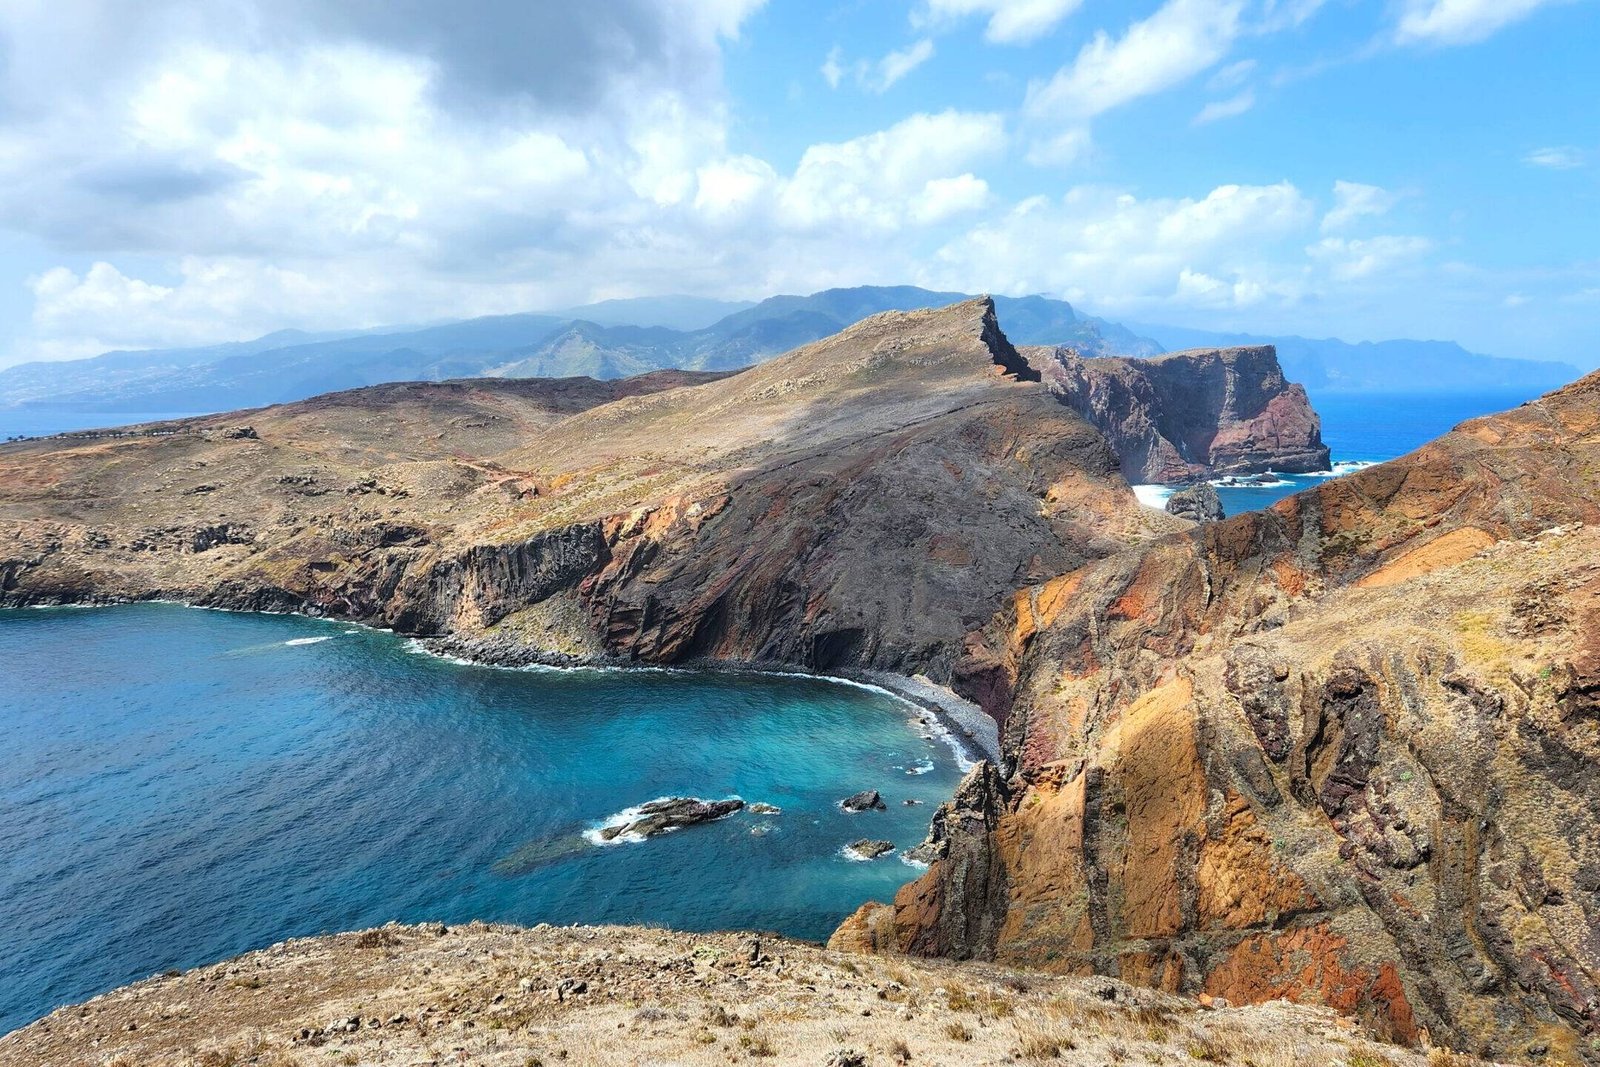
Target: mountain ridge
[1399, 365]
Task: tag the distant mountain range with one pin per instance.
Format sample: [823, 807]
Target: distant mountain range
[596, 340]
[617, 338]
[1330, 365]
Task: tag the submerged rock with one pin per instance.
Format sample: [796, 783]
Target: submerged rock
[537, 854]
[670, 813]
[869, 850]
[1199, 503]
[865, 800]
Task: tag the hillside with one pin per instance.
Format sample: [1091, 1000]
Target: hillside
[599, 996]
[861, 502]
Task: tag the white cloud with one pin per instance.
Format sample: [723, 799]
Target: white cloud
[833, 67]
[1348, 260]
[1287, 14]
[1181, 39]
[1559, 157]
[879, 76]
[1231, 76]
[1237, 104]
[914, 170]
[1010, 21]
[1352, 201]
[1237, 244]
[896, 65]
[1454, 22]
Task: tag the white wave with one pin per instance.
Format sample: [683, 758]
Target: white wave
[1276, 482]
[920, 767]
[855, 857]
[1345, 466]
[934, 729]
[1154, 496]
[309, 640]
[905, 858]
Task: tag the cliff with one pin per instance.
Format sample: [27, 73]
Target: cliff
[862, 502]
[1191, 415]
[500, 996]
[1341, 751]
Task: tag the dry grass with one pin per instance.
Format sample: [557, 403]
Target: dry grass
[487, 996]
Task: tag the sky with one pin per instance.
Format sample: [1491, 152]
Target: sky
[177, 173]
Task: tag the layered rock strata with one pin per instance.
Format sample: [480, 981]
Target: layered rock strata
[1191, 415]
[1342, 751]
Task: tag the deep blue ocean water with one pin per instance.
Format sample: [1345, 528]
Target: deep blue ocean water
[39, 421]
[178, 786]
[1361, 429]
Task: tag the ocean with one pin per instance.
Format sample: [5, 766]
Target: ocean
[1360, 430]
[181, 785]
[41, 421]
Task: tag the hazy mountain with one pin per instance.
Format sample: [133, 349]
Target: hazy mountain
[1332, 365]
[599, 342]
[617, 338]
[673, 312]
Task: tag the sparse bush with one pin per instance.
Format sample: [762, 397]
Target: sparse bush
[717, 1015]
[1208, 1049]
[958, 1031]
[1038, 1040]
[1363, 1058]
[379, 938]
[757, 1045]
[899, 1051]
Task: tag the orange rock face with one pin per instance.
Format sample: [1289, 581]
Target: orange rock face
[1343, 751]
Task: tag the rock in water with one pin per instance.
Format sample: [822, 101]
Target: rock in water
[1198, 503]
[763, 808]
[669, 813]
[869, 850]
[866, 800]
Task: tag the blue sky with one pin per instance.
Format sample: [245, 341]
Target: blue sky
[179, 172]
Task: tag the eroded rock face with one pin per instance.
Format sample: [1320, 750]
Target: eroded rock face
[1191, 415]
[1340, 751]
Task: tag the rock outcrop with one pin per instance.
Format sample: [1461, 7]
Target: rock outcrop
[862, 502]
[1341, 751]
[1197, 503]
[661, 816]
[1191, 415]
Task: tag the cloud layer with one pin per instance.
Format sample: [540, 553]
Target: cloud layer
[322, 165]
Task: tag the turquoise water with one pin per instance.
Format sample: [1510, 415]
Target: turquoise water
[179, 786]
[1362, 429]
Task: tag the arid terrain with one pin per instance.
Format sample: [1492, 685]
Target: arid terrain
[621, 996]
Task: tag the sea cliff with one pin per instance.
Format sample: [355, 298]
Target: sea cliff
[1340, 751]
